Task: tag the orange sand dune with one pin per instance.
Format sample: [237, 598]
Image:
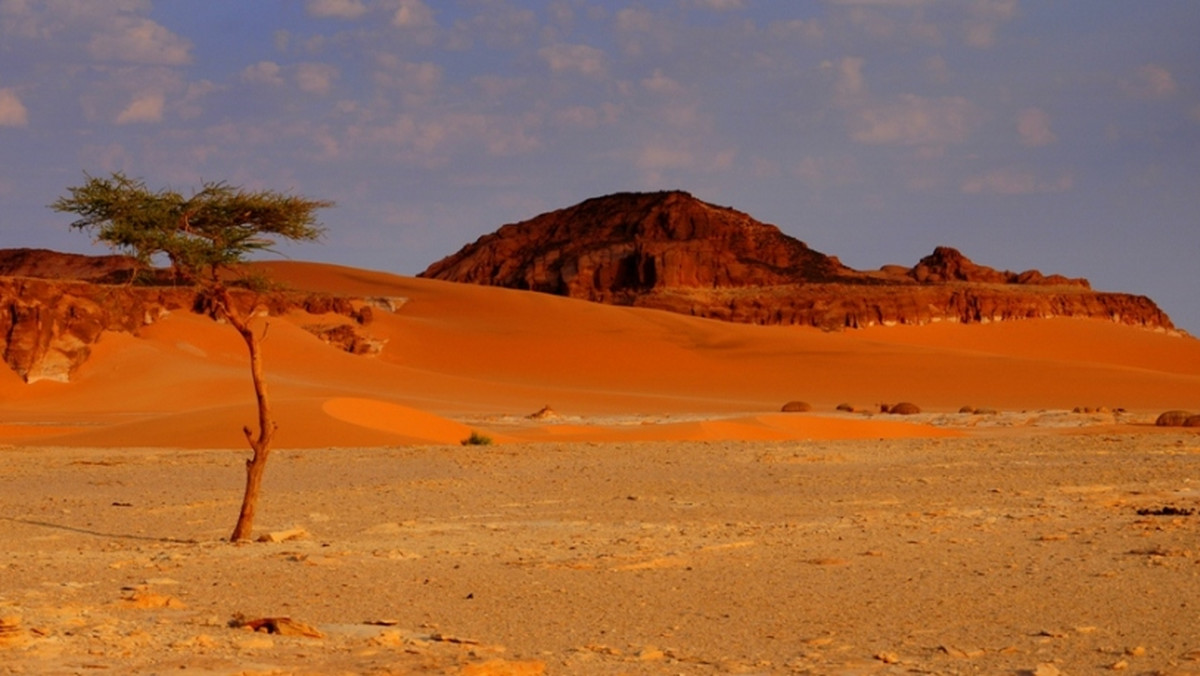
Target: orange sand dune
[460, 352]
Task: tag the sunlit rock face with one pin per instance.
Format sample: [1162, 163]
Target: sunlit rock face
[671, 251]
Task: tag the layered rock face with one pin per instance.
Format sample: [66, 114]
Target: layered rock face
[671, 251]
[48, 327]
[616, 248]
[50, 317]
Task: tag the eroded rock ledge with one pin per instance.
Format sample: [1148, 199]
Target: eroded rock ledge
[671, 251]
[48, 326]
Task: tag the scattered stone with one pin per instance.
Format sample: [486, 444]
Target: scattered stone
[443, 638]
[888, 657]
[904, 408]
[1166, 510]
[961, 653]
[546, 413]
[283, 626]
[1172, 419]
[1119, 665]
[650, 654]
[796, 407]
[285, 535]
[145, 599]
[1136, 651]
[1046, 669]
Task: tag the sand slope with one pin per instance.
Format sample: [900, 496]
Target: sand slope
[461, 357]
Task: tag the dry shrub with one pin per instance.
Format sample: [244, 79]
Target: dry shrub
[848, 408]
[1192, 421]
[904, 408]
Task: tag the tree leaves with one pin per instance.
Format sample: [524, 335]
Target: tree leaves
[217, 226]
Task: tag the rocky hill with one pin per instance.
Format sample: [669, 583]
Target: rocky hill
[671, 251]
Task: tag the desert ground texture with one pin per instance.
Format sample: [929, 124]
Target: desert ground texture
[664, 517]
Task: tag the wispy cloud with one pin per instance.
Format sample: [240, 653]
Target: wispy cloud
[1033, 126]
[1016, 182]
[144, 108]
[567, 58]
[337, 9]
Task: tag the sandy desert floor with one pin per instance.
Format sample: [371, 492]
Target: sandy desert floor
[1001, 551]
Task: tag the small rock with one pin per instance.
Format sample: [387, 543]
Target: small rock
[1046, 669]
[546, 413]
[1119, 665]
[284, 535]
[904, 408]
[1136, 651]
[796, 407]
[650, 654]
[1172, 418]
[888, 657]
[145, 599]
[284, 626]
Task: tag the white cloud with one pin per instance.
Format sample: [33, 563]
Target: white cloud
[661, 84]
[139, 40]
[337, 9]
[583, 59]
[1033, 126]
[635, 20]
[413, 14]
[796, 28]
[12, 111]
[849, 84]
[315, 78]
[1016, 182]
[913, 121]
[986, 16]
[263, 72]
[1152, 82]
[144, 108]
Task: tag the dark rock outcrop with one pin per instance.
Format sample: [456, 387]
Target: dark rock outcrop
[46, 264]
[49, 324]
[671, 251]
[616, 248]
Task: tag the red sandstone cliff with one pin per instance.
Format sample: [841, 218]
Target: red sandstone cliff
[50, 316]
[671, 251]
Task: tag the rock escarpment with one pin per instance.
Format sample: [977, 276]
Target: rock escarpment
[671, 251]
[51, 316]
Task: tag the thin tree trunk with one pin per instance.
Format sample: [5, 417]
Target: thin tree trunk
[261, 444]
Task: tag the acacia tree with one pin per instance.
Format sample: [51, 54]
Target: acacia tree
[202, 236]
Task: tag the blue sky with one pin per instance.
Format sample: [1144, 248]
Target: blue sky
[1062, 135]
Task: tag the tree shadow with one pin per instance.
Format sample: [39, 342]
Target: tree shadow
[97, 533]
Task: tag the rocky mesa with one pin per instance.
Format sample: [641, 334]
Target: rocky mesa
[672, 251]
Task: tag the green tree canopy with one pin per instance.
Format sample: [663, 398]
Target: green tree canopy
[217, 226]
